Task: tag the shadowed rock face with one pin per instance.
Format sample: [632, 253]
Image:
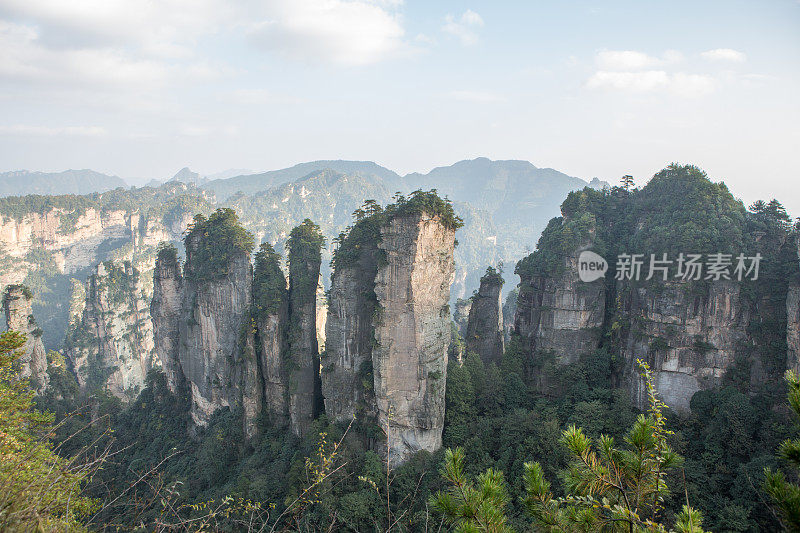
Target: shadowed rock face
[19, 317]
[347, 381]
[110, 343]
[304, 381]
[562, 315]
[689, 340]
[484, 334]
[165, 310]
[215, 364]
[412, 332]
[793, 322]
[461, 314]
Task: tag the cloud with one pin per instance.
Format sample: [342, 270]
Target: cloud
[724, 54]
[44, 131]
[679, 83]
[262, 97]
[26, 59]
[465, 28]
[634, 60]
[475, 96]
[343, 32]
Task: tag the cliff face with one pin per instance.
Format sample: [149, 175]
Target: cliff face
[413, 332]
[347, 380]
[19, 317]
[461, 314]
[304, 381]
[484, 335]
[689, 340]
[110, 341]
[215, 314]
[559, 313]
[165, 310]
[793, 321]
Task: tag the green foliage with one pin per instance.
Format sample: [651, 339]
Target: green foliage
[428, 202]
[785, 493]
[472, 506]
[213, 243]
[305, 255]
[363, 234]
[167, 255]
[41, 490]
[269, 283]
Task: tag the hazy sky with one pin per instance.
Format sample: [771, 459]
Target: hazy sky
[142, 88]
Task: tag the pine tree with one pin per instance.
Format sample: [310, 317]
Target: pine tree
[784, 493]
[627, 182]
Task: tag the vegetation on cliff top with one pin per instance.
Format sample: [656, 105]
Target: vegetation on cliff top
[428, 202]
[213, 243]
[269, 283]
[679, 211]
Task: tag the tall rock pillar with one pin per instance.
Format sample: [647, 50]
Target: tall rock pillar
[19, 317]
[165, 311]
[412, 330]
[304, 386]
[484, 335]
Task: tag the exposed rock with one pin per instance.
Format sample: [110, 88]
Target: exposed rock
[322, 314]
[688, 339]
[793, 321]
[485, 325]
[461, 314]
[347, 378]
[561, 314]
[19, 317]
[110, 344]
[215, 312]
[165, 310]
[270, 311]
[413, 332]
[305, 396]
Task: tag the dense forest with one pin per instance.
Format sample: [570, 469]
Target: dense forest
[515, 456]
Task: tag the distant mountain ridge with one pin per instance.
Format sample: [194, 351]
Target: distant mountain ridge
[85, 181]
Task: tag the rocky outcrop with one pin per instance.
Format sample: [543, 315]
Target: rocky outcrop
[484, 334]
[559, 314]
[110, 341]
[347, 377]
[165, 310]
[271, 315]
[461, 314]
[214, 349]
[412, 331]
[19, 317]
[688, 339]
[304, 383]
[793, 319]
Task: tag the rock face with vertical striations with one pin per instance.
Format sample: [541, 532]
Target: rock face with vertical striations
[688, 339]
[304, 385]
[271, 315]
[19, 317]
[793, 318]
[412, 331]
[109, 344]
[559, 314]
[347, 378]
[165, 310]
[216, 350]
[484, 335]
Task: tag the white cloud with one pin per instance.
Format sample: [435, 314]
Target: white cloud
[262, 97]
[351, 32]
[465, 28]
[44, 131]
[724, 54]
[634, 60]
[679, 83]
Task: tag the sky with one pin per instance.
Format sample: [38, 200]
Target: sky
[143, 88]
